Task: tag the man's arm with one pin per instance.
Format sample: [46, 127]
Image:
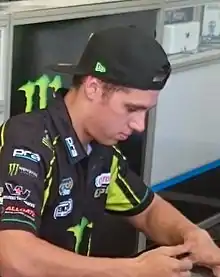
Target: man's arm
[24, 255]
[167, 226]
[142, 207]
[163, 223]
[128, 196]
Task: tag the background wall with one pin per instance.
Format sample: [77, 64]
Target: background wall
[186, 156]
[187, 126]
[1, 117]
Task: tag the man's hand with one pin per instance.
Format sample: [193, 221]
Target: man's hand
[162, 262]
[203, 250]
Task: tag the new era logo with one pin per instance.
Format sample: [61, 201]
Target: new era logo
[100, 68]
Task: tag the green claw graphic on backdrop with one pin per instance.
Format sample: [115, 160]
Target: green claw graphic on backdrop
[43, 83]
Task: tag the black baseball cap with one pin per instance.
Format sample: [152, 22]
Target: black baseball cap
[124, 56]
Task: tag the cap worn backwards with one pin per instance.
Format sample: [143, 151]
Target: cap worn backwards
[123, 56]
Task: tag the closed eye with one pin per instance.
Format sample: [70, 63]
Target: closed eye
[132, 109]
[137, 108]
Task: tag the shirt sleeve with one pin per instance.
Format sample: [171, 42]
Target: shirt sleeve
[23, 163]
[127, 194]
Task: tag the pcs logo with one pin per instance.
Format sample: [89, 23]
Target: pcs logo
[71, 147]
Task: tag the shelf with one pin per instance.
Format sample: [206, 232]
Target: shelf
[181, 60]
[185, 3]
[65, 10]
[191, 34]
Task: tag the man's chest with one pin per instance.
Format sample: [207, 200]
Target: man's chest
[76, 200]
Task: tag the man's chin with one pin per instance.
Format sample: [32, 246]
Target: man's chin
[111, 142]
[107, 142]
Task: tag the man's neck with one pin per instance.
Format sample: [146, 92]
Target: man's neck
[77, 117]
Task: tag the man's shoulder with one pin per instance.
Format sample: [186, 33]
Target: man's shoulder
[25, 125]
[23, 118]
[27, 132]
[32, 118]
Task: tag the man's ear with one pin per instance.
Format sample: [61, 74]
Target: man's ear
[92, 88]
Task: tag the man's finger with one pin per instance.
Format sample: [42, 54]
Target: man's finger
[174, 251]
[185, 274]
[216, 271]
[182, 274]
[185, 264]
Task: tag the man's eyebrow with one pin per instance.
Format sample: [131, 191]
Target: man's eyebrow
[139, 106]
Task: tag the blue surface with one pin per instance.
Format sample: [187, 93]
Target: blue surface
[185, 176]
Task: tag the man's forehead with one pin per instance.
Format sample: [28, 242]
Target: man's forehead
[140, 95]
[141, 100]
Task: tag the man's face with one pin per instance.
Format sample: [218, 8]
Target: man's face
[116, 115]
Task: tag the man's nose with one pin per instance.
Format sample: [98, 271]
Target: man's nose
[138, 123]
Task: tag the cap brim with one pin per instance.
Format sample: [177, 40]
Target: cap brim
[64, 68]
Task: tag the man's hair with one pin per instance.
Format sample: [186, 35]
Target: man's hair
[108, 88]
[77, 81]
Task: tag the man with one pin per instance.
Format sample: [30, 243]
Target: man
[60, 171]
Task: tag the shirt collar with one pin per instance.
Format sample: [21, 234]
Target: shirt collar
[61, 119]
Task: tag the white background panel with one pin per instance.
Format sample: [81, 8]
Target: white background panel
[187, 131]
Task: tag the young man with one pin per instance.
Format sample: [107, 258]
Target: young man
[60, 171]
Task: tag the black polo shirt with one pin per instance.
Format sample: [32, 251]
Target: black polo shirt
[52, 187]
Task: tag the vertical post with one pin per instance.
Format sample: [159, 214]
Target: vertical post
[151, 125]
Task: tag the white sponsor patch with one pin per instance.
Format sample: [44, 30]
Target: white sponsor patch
[63, 209]
[102, 180]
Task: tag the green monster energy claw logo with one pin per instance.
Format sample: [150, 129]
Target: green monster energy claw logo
[78, 231]
[13, 169]
[43, 83]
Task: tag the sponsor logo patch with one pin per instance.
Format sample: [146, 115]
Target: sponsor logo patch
[66, 186]
[25, 154]
[63, 209]
[14, 169]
